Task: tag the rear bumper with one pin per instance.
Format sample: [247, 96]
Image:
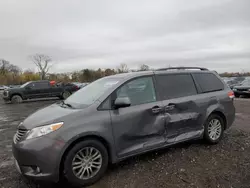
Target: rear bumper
[230, 120]
[38, 159]
[230, 117]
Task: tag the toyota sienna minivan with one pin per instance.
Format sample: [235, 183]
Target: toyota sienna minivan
[120, 116]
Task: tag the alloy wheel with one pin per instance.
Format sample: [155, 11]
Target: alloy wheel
[87, 163]
[214, 129]
[66, 95]
[16, 99]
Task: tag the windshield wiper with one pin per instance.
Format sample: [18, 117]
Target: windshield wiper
[67, 104]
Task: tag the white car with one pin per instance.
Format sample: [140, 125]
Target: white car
[2, 87]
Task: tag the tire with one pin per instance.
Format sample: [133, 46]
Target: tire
[72, 156]
[15, 99]
[214, 135]
[60, 97]
[65, 95]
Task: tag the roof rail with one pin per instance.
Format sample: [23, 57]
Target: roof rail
[182, 68]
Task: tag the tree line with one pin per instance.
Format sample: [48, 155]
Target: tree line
[11, 74]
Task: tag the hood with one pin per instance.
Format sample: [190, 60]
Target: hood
[14, 89]
[47, 115]
[242, 87]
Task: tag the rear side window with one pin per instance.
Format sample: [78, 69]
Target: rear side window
[208, 82]
[175, 85]
[41, 85]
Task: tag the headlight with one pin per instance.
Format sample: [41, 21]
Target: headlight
[6, 92]
[234, 89]
[43, 130]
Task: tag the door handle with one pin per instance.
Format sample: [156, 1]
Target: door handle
[170, 107]
[156, 110]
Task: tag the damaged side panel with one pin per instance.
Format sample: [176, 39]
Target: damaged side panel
[186, 120]
[137, 128]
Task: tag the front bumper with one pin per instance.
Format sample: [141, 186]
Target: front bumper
[6, 98]
[39, 158]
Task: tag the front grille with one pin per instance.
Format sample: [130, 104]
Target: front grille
[20, 134]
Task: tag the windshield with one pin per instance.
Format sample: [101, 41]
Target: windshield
[92, 92]
[24, 85]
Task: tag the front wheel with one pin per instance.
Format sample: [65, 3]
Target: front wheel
[214, 129]
[86, 163]
[16, 99]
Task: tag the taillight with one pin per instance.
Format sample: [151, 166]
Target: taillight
[76, 87]
[231, 94]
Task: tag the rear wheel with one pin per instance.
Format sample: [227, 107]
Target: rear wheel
[16, 99]
[86, 163]
[214, 129]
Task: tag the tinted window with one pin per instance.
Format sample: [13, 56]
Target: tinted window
[31, 85]
[208, 82]
[176, 85]
[26, 84]
[41, 85]
[139, 91]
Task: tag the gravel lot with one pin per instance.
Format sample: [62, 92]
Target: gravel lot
[192, 164]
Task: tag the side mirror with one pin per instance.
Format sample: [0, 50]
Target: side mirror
[28, 87]
[122, 102]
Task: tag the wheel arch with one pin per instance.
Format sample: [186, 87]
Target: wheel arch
[80, 139]
[19, 94]
[222, 115]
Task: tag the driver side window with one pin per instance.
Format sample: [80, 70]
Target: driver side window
[139, 91]
[31, 85]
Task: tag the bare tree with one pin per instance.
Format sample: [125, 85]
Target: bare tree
[143, 67]
[43, 63]
[4, 66]
[122, 68]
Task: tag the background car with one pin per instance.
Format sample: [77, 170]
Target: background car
[3, 87]
[233, 81]
[37, 89]
[84, 84]
[243, 89]
[72, 87]
[14, 86]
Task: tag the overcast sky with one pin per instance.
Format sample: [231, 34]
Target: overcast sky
[105, 33]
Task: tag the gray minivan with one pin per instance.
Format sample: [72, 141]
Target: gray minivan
[120, 116]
